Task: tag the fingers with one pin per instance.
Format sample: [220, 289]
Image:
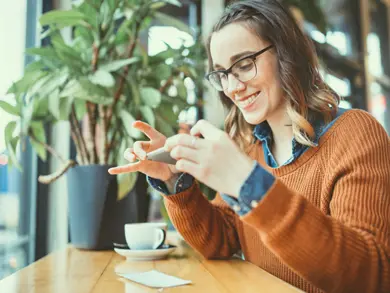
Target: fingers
[184, 140]
[129, 155]
[206, 129]
[124, 169]
[148, 130]
[188, 167]
[182, 152]
[140, 148]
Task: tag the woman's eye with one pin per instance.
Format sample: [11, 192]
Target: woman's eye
[245, 67]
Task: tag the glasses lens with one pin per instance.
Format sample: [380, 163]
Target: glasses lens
[245, 70]
[218, 80]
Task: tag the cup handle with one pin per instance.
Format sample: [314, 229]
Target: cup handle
[162, 238]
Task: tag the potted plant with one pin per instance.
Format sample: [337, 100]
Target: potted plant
[99, 82]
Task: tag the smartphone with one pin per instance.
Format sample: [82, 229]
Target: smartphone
[161, 155]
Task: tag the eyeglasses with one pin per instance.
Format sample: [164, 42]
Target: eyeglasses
[244, 70]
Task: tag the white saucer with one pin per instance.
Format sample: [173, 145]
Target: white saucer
[152, 254]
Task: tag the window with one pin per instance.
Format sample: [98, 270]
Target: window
[378, 46]
[342, 18]
[12, 29]
[162, 36]
[18, 21]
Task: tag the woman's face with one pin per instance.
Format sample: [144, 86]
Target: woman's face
[261, 97]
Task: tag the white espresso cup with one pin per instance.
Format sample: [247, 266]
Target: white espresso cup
[145, 235]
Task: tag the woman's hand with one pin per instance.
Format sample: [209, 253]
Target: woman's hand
[153, 169]
[215, 160]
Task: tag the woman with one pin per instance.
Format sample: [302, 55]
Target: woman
[303, 187]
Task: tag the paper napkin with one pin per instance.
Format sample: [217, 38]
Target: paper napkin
[155, 279]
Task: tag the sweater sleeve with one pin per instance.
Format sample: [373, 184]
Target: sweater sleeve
[348, 250]
[208, 226]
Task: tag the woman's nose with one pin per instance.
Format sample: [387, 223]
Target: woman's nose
[234, 85]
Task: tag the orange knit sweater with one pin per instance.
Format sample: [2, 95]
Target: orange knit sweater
[324, 226]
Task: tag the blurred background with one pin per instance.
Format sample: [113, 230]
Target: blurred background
[352, 38]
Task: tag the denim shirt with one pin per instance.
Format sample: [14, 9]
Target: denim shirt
[259, 180]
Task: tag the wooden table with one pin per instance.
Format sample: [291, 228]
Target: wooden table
[76, 271]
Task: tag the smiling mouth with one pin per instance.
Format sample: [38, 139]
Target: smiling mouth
[248, 100]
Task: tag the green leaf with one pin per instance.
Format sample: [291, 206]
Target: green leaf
[39, 134]
[157, 5]
[148, 114]
[85, 34]
[151, 97]
[23, 84]
[164, 127]
[91, 14]
[41, 108]
[85, 90]
[68, 55]
[62, 17]
[181, 89]
[40, 150]
[174, 2]
[103, 78]
[27, 114]
[34, 66]
[38, 131]
[54, 104]
[65, 107]
[11, 144]
[45, 52]
[118, 64]
[127, 120]
[97, 99]
[193, 72]
[80, 107]
[136, 95]
[95, 93]
[112, 4]
[163, 71]
[47, 84]
[126, 183]
[168, 20]
[13, 110]
[123, 34]
[56, 81]
[165, 111]
[9, 131]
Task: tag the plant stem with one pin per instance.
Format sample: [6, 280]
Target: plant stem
[78, 145]
[91, 109]
[103, 114]
[47, 179]
[110, 145]
[77, 131]
[166, 84]
[49, 148]
[119, 91]
[76, 139]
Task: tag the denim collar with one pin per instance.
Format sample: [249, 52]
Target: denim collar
[263, 133]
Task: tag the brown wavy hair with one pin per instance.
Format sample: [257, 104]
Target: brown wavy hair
[308, 97]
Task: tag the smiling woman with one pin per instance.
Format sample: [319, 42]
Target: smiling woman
[303, 185]
[303, 93]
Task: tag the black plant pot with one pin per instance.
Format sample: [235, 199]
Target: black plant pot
[96, 218]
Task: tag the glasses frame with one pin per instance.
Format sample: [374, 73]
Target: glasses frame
[229, 70]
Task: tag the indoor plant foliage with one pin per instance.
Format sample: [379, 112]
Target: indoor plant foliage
[102, 76]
